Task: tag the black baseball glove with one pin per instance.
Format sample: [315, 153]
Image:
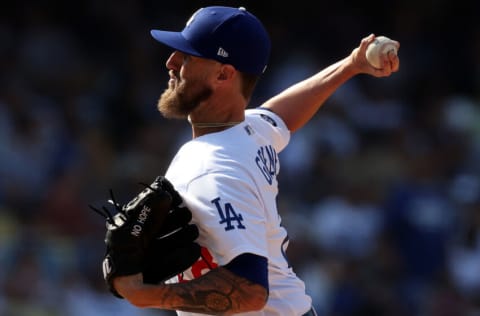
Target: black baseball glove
[174, 250]
[140, 235]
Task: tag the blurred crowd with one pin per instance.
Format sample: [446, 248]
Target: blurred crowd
[380, 192]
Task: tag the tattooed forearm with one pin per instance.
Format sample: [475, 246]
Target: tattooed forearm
[219, 292]
[206, 301]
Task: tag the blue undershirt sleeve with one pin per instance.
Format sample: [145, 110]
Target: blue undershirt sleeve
[252, 267]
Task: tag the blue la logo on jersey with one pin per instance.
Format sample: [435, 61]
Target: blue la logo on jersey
[228, 215]
[267, 162]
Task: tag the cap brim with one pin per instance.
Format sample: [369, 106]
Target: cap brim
[174, 40]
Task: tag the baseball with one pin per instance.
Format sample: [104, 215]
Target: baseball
[381, 45]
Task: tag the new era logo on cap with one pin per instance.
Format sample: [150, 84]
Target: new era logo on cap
[222, 52]
[229, 35]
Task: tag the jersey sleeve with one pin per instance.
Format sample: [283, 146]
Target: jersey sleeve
[228, 215]
[270, 125]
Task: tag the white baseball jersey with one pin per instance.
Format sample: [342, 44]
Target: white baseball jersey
[229, 181]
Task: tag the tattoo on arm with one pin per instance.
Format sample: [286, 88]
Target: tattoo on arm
[219, 292]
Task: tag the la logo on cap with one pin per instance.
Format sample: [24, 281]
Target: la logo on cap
[193, 16]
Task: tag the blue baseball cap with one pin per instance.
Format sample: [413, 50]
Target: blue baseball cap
[225, 34]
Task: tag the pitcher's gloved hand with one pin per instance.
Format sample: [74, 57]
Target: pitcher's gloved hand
[132, 244]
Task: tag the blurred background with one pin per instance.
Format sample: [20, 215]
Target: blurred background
[380, 192]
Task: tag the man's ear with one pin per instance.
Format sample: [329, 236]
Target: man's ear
[226, 72]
